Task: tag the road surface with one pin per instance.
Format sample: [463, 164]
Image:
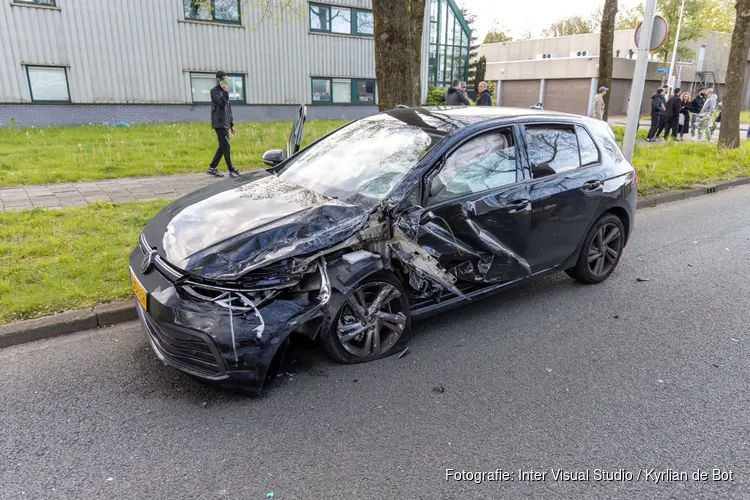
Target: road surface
[642, 378]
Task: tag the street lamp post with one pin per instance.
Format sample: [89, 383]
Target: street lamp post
[671, 79]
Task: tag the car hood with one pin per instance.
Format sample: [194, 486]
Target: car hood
[230, 228]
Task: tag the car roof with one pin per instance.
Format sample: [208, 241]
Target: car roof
[446, 120]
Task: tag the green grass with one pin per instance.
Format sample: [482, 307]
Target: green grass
[69, 154]
[667, 166]
[55, 260]
[664, 167]
[745, 117]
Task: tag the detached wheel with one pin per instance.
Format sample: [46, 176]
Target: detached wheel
[600, 252]
[372, 323]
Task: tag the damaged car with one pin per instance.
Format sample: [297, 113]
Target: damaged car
[385, 220]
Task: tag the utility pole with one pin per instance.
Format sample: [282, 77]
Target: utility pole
[639, 80]
[670, 79]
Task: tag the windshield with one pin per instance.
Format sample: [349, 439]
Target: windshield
[365, 159]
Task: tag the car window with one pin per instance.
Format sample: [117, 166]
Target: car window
[482, 163]
[552, 149]
[589, 151]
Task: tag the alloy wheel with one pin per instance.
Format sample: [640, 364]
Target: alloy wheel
[371, 321]
[605, 249]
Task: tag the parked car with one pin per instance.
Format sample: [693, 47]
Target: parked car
[388, 219]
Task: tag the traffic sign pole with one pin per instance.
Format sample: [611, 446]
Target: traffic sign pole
[639, 80]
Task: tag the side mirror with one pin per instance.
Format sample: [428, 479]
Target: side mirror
[273, 157]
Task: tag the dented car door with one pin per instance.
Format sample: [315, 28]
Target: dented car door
[476, 219]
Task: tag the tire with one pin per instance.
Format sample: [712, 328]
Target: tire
[348, 339]
[600, 252]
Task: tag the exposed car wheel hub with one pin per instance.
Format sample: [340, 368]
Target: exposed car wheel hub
[372, 321]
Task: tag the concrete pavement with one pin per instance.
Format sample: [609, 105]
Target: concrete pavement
[639, 376]
[113, 190]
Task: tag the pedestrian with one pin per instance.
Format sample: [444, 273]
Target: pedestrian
[222, 122]
[658, 106]
[485, 95]
[599, 103]
[706, 116]
[665, 93]
[685, 114]
[672, 115]
[455, 97]
[717, 120]
[695, 108]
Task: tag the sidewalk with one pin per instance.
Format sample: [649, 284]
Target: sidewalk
[123, 190]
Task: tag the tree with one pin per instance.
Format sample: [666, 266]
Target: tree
[497, 35]
[720, 16]
[606, 41]
[481, 70]
[574, 25]
[628, 19]
[473, 45]
[398, 51]
[729, 133]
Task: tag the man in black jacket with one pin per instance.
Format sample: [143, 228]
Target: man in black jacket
[222, 122]
[657, 115]
[454, 96]
[696, 106]
[672, 114]
[485, 95]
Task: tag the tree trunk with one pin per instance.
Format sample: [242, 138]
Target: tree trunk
[606, 41]
[398, 51]
[729, 133]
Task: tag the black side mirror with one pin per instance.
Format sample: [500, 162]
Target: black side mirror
[273, 157]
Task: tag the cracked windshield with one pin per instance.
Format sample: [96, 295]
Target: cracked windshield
[366, 159]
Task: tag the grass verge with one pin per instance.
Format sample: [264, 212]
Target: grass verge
[55, 260]
[69, 154]
[668, 166]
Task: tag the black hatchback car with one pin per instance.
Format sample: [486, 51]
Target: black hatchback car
[387, 219]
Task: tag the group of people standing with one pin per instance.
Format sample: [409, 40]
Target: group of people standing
[457, 94]
[680, 113]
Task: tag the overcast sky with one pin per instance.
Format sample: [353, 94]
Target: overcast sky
[534, 15]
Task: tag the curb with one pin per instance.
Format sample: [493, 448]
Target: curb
[66, 323]
[121, 312]
[702, 189]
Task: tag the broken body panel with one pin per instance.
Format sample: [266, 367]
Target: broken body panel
[233, 269]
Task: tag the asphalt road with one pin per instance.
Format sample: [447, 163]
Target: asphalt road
[624, 377]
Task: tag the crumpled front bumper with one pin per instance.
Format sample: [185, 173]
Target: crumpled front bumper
[211, 342]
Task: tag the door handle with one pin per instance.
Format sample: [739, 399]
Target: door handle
[517, 206]
[591, 185]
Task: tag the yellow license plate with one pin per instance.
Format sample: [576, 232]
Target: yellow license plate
[140, 292]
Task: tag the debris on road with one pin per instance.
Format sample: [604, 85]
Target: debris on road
[736, 340]
[439, 389]
[356, 380]
[404, 353]
[549, 370]
[616, 316]
[643, 279]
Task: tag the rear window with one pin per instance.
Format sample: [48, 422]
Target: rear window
[552, 149]
[587, 146]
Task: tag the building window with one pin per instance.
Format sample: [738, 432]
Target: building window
[343, 91]
[221, 11]
[341, 20]
[202, 83]
[449, 43]
[48, 3]
[48, 84]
